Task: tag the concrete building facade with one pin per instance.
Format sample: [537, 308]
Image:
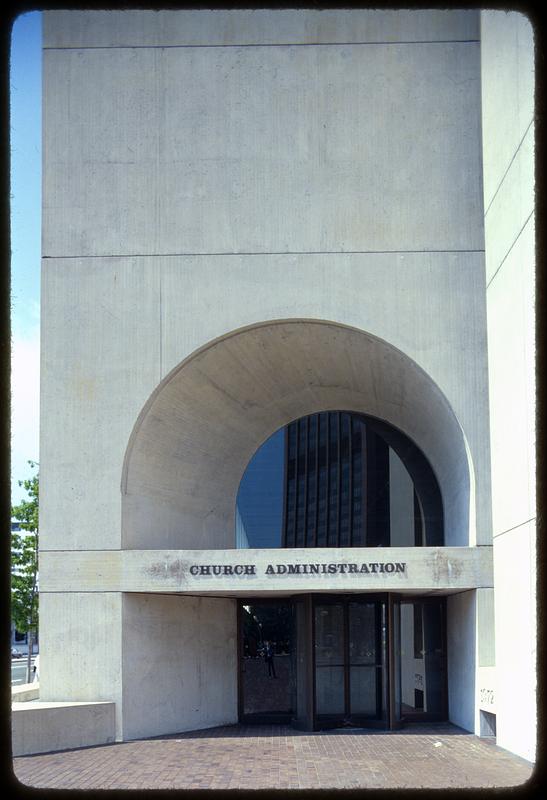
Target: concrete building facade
[250, 217]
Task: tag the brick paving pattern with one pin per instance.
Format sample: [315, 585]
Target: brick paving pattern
[278, 757]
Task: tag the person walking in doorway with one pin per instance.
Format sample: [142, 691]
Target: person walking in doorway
[269, 658]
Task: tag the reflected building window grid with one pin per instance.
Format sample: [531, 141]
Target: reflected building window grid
[341, 480]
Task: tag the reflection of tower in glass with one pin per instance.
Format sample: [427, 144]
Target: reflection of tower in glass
[412, 658]
[421, 648]
[345, 487]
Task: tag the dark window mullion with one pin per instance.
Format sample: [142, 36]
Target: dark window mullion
[338, 499]
[327, 476]
[295, 510]
[350, 480]
[347, 708]
[316, 481]
[306, 479]
[289, 533]
[286, 474]
[364, 479]
[332, 503]
[378, 673]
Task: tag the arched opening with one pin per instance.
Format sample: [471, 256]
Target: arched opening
[196, 434]
[338, 479]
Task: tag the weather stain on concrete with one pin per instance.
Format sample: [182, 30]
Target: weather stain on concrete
[168, 570]
[443, 568]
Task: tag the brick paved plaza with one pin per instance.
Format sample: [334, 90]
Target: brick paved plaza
[276, 756]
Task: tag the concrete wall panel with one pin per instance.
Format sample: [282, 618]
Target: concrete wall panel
[216, 150]
[507, 55]
[511, 208]
[100, 361]
[179, 664]
[511, 321]
[260, 26]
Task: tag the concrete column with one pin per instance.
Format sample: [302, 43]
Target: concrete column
[81, 648]
[461, 647]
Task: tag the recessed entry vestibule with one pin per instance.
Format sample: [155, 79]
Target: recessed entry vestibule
[321, 661]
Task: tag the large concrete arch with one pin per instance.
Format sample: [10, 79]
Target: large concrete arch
[198, 430]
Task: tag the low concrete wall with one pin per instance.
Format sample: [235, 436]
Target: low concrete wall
[39, 727]
[25, 692]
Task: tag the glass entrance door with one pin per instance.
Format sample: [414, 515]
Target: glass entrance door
[319, 661]
[366, 660]
[350, 644]
[330, 667]
[420, 673]
[267, 668]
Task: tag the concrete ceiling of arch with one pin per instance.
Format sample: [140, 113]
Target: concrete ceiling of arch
[198, 431]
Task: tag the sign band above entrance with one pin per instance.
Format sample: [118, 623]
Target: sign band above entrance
[232, 571]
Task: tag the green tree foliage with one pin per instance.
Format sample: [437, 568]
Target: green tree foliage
[24, 561]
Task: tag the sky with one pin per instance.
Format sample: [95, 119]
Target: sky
[25, 195]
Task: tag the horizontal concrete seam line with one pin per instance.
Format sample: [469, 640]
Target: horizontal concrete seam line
[464, 591]
[64, 590]
[242, 551]
[201, 595]
[514, 528]
[444, 591]
[264, 253]
[509, 167]
[102, 550]
[253, 44]
[512, 245]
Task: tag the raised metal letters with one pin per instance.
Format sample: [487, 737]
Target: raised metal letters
[374, 567]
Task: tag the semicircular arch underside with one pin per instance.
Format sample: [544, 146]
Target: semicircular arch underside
[198, 431]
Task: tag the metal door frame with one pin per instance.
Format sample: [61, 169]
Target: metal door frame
[313, 720]
[322, 721]
[418, 716]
